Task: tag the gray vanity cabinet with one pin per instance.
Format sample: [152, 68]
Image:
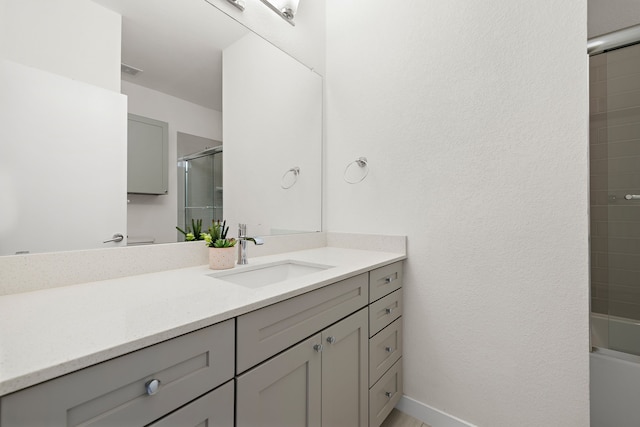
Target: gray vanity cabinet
[331, 357]
[345, 372]
[385, 342]
[272, 329]
[322, 381]
[214, 409]
[284, 391]
[131, 390]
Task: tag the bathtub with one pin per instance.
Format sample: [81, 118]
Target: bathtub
[615, 333]
[614, 372]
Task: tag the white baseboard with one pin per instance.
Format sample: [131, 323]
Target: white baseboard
[429, 415]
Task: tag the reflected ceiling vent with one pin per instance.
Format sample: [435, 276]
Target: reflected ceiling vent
[128, 69]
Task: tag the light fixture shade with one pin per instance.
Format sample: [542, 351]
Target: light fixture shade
[291, 5]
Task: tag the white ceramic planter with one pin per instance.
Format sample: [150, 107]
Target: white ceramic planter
[222, 258]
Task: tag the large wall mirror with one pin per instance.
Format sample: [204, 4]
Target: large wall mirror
[231, 100]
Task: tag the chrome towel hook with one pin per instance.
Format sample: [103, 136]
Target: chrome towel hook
[363, 165]
[293, 177]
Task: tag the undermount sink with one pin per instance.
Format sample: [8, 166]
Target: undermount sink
[268, 274]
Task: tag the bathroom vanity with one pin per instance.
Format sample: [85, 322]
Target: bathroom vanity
[321, 349]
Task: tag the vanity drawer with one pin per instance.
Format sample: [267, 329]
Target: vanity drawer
[265, 332]
[384, 311]
[114, 393]
[214, 409]
[384, 350]
[385, 394]
[385, 280]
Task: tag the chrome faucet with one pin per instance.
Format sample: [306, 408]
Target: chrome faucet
[242, 244]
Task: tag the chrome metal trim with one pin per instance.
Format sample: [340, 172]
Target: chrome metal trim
[237, 3]
[284, 14]
[205, 152]
[614, 40]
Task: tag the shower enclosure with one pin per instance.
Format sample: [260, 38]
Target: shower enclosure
[202, 183]
[614, 68]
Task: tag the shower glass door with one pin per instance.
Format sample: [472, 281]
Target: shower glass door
[615, 198]
[203, 189]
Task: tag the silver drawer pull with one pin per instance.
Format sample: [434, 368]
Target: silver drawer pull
[152, 387]
[318, 347]
[388, 394]
[632, 197]
[388, 349]
[331, 340]
[388, 310]
[388, 280]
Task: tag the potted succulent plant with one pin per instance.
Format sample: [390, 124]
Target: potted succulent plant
[222, 253]
[196, 234]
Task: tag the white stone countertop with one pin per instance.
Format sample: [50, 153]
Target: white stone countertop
[51, 332]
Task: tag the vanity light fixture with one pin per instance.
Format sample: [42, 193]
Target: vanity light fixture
[237, 3]
[284, 8]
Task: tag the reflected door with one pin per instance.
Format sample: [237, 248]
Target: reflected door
[63, 157]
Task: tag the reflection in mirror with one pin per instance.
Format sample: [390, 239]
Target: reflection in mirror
[272, 127]
[64, 170]
[199, 181]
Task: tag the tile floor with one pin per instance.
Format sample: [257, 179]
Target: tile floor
[400, 419]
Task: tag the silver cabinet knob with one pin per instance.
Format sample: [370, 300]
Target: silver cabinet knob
[387, 280]
[388, 310]
[318, 347]
[388, 393]
[388, 349]
[152, 387]
[331, 340]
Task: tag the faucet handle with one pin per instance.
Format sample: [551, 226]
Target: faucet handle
[242, 230]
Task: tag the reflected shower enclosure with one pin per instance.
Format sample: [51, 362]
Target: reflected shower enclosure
[200, 188]
[615, 228]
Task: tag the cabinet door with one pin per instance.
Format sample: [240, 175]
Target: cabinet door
[345, 382]
[147, 155]
[214, 409]
[284, 391]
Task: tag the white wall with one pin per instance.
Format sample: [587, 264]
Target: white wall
[156, 216]
[606, 16]
[305, 41]
[272, 123]
[74, 38]
[475, 126]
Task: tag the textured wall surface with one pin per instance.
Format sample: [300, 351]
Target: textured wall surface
[475, 126]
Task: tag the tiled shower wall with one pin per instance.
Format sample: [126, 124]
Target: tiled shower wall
[615, 172]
